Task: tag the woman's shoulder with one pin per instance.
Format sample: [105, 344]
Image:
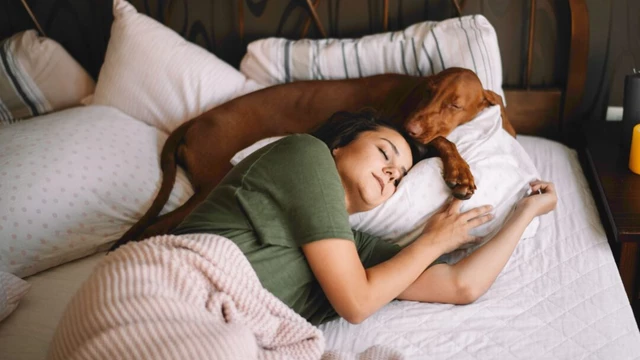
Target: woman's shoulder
[304, 141]
[301, 146]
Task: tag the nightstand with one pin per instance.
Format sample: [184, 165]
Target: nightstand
[617, 193]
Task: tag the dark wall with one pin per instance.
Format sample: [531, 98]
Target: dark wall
[614, 52]
[83, 28]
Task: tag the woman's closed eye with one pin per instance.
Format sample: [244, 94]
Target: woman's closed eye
[384, 153]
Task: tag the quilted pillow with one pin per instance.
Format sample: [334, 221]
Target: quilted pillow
[154, 75]
[422, 49]
[73, 181]
[38, 76]
[502, 171]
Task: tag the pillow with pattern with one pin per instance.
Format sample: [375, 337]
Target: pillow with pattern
[38, 76]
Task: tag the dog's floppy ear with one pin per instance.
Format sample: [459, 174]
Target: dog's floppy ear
[491, 98]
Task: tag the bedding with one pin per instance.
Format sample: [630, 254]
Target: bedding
[154, 75]
[38, 76]
[12, 289]
[559, 297]
[421, 49]
[224, 314]
[72, 182]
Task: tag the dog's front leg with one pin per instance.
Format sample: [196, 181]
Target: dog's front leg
[457, 173]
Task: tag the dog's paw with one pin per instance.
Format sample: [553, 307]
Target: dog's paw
[460, 181]
[462, 192]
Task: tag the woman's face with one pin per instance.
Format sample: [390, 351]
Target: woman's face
[371, 166]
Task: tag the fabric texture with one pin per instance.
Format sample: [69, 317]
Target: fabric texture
[501, 168]
[154, 75]
[72, 182]
[281, 197]
[12, 289]
[422, 49]
[38, 76]
[183, 297]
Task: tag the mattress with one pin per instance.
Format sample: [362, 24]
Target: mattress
[559, 297]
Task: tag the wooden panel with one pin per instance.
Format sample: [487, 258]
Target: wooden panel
[577, 68]
[534, 112]
[629, 269]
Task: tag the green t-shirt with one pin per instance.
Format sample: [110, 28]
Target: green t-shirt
[282, 196]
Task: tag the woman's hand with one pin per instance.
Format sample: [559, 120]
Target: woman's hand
[449, 228]
[543, 198]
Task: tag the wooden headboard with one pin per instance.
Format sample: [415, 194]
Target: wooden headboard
[552, 112]
[543, 43]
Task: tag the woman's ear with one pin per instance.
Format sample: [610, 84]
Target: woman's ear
[335, 151]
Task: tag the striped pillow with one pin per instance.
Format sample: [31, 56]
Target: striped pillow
[422, 49]
[38, 76]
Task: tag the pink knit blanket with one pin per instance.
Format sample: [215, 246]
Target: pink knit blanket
[185, 297]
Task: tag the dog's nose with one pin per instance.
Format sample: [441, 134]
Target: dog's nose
[413, 129]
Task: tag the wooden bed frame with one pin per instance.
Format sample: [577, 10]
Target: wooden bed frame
[548, 112]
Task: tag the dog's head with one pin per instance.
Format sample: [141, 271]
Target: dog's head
[448, 99]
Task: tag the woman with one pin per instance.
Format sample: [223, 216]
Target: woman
[286, 206]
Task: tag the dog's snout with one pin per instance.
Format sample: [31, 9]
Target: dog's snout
[413, 129]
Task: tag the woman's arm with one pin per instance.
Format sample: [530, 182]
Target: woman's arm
[356, 293]
[470, 278]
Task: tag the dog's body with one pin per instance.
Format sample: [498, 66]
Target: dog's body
[429, 108]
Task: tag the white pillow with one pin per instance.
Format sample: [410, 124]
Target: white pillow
[502, 171]
[154, 75]
[422, 49]
[12, 289]
[73, 181]
[501, 168]
[38, 76]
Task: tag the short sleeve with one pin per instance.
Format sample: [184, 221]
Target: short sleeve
[373, 250]
[292, 194]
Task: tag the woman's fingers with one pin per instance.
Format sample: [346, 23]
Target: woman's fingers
[479, 220]
[454, 206]
[475, 212]
[542, 186]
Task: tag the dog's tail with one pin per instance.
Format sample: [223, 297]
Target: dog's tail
[169, 168]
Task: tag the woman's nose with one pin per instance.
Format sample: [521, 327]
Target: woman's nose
[392, 172]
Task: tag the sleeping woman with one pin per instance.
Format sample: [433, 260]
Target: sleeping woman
[287, 208]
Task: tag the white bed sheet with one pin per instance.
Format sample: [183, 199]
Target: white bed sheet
[559, 297]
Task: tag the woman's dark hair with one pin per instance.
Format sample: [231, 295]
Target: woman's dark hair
[343, 127]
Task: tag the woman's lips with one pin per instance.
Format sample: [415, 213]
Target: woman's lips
[380, 182]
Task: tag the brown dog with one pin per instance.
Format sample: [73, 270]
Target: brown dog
[429, 108]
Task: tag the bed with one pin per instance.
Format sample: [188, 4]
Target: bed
[559, 297]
